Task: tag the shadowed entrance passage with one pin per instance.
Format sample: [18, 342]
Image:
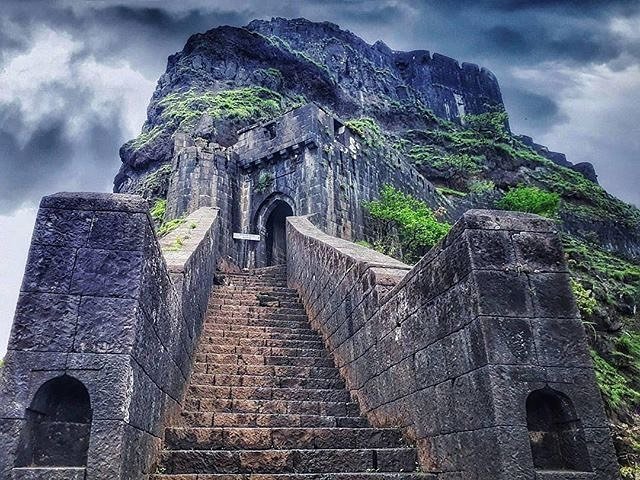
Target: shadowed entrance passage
[276, 241]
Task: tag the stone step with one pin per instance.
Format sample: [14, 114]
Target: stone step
[233, 328]
[291, 295]
[231, 419]
[255, 283]
[251, 289]
[289, 461]
[299, 476]
[339, 409]
[281, 438]
[251, 302]
[241, 311]
[267, 370]
[211, 334]
[233, 359]
[222, 322]
[268, 393]
[265, 381]
[220, 339]
[315, 351]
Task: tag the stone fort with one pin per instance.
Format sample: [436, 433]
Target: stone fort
[258, 341]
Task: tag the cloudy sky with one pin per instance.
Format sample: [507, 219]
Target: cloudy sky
[76, 76]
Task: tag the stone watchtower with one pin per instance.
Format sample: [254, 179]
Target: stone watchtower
[130, 357]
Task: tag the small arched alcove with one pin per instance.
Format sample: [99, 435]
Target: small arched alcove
[58, 426]
[555, 432]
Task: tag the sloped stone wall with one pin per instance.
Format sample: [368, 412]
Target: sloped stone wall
[451, 349]
[99, 303]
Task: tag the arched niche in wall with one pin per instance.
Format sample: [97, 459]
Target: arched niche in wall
[58, 426]
[555, 432]
[270, 222]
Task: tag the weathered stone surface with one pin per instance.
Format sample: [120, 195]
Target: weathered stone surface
[106, 325]
[44, 322]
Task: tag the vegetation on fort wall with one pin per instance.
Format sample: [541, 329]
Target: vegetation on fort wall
[169, 226]
[368, 129]
[265, 180]
[607, 291]
[530, 200]
[183, 109]
[404, 227]
[158, 210]
[462, 155]
[615, 388]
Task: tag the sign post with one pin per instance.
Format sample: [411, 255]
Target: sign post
[246, 236]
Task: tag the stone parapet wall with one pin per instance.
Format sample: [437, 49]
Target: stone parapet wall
[100, 304]
[459, 349]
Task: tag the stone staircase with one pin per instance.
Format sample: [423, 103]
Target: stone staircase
[266, 401]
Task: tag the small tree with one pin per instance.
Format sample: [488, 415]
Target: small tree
[531, 200]
[404, 227]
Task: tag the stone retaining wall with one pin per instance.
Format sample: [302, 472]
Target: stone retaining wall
[452, 349]
[100, 304]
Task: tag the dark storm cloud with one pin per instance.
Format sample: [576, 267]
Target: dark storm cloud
[53, 157]
[532, 109]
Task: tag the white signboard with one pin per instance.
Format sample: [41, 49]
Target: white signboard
[246, 236]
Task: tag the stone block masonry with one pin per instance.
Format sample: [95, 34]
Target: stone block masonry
[103, 338]
[477, 352]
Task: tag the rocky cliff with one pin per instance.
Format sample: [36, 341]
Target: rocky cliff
[446, 118]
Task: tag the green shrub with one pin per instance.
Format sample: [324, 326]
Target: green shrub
[368, 129]
[585, 300]
[169, 226]
[482, 186]
[628, 347]
[530, 200]
[615, 388]
[491, 125]
[265, 180]
[405, 226]
[159, 209]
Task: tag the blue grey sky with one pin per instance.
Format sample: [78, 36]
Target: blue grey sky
[76, 77]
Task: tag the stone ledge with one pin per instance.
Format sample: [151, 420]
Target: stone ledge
[179, 245]
[358, 253]
[96, 201]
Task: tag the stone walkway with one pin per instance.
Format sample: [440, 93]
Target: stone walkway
[266, 401]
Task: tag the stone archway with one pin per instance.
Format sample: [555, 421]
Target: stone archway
[270, 221]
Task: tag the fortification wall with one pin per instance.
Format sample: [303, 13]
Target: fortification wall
[464, 349]
[306, 158]
[203, 176]
[101, 308]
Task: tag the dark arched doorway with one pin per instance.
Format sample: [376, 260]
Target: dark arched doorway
[58, 426]
[555, 432]
[276, 233]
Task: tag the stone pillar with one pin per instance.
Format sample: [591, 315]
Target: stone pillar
[97, 304]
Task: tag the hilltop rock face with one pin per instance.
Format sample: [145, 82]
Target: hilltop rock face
[229, 78]
[309, 62]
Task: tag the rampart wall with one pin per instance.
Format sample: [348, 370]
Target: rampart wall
[464, 348]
